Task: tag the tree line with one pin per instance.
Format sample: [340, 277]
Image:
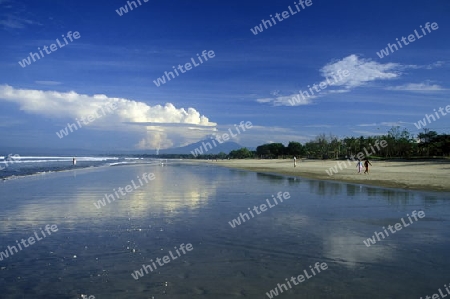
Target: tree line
[400, 144]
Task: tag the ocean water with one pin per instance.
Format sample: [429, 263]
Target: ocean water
[96, 250]
[13, 166]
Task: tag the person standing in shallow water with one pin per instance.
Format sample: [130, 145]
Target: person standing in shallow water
[366, 165]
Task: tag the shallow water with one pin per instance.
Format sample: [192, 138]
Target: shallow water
[95, 251]
[14, 166]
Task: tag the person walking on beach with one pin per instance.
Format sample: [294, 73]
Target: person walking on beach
[359, 165]
[295, 161]
[366, 165]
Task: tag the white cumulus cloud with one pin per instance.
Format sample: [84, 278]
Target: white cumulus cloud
[345, 74]
[154, 123]
[361, 71]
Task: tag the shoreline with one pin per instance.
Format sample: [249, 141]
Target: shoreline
[409, 175]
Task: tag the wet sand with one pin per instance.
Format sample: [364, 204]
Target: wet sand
[429, 176]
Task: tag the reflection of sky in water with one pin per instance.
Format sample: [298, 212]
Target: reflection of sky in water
[322, 221]
[67, 197]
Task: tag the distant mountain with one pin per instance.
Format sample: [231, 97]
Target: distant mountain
[225, 147]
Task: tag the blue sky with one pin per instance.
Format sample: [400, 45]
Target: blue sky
[251, 77]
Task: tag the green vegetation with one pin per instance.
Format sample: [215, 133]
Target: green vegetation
[401, 144]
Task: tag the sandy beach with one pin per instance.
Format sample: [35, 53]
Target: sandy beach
[415, 175]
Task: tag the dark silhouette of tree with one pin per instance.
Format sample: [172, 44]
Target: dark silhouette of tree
[295, 149]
